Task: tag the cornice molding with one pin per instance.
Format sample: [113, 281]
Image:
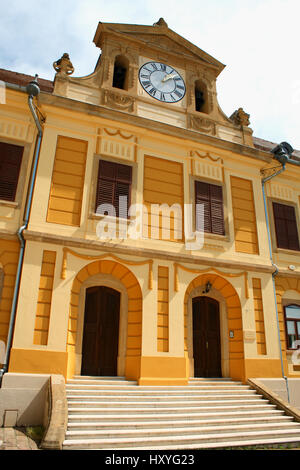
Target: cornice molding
[155, 126]
[191, 259]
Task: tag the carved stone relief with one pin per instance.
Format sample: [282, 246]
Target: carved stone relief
[117, 100]
[201, 124]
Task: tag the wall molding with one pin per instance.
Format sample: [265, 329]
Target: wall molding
[68, 251]
[207, 270]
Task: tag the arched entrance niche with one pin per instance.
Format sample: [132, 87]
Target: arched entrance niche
[118, 277]
[232, 348]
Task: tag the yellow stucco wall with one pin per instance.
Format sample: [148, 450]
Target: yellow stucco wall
[9, 256]
[157, 348]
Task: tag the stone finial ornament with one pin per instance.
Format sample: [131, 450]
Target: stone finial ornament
[240, 118]
[63, 66]
[160, 22]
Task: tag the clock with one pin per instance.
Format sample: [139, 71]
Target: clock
[162, 82]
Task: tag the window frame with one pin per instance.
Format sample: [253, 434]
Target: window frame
[286, 319]
[121, 61]
[23, 174]
[94, 184]
[114, 181]
[224, 206]
[19, 167]
[201, 86]
[293, 204]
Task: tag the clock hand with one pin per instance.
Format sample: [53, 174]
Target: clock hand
[168, 77]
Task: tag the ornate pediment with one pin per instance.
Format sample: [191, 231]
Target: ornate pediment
[159, 37]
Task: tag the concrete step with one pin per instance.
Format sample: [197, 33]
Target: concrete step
[115, 378]
[114, 413]
[156, 407]
[156, 432]
[89, 423]
[182, 440]
[139, 413]
[175, 400]
[263, 442]
[81, 416]
[97, 402]
[160, 399]
[155, 390]
[159, 393]
[105, 381]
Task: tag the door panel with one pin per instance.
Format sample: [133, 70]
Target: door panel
[101, 331]
[206, 337]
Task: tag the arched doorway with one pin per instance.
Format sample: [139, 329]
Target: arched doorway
[100, 342]
[230, 317]
[206, 337]
[118, 277]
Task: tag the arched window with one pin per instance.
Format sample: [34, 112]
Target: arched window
[292, 323]
[201, 101]
[120, 78]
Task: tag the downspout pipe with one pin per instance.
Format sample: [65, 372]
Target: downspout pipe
[33, 90]
[282, 154]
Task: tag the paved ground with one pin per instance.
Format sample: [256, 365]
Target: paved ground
[16, 439]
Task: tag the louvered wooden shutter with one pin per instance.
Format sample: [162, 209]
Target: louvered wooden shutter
[211, 196]
[286, 226]
[10, 164]
[217, 211]
[114, 181]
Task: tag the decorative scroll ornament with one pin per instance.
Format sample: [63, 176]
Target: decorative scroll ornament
[63, 66]
[240, 118]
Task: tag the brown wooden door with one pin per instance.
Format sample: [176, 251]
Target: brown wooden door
[101, 332]
[206, 337]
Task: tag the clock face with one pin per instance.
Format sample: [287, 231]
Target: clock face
[162, 82]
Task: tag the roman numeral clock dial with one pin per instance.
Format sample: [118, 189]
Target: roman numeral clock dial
[162, 82]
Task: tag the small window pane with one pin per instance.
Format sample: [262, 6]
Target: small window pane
[291, 327]
[298, 328]
[291, 333]
[292, 312]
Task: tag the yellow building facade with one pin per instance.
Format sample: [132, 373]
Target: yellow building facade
[147, 293]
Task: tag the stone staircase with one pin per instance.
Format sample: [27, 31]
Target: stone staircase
[113, 413]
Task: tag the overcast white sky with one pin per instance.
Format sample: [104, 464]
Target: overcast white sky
[257, 40]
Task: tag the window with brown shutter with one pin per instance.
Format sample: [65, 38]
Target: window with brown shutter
[286, 226]
[10, 164]
[211, 196]
[114, 182]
